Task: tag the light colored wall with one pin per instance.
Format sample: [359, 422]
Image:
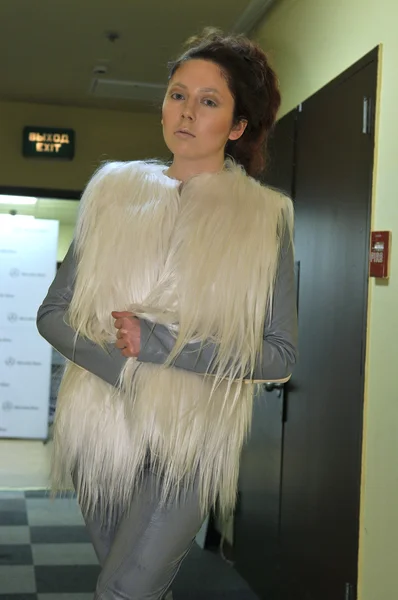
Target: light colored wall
[64, 240]
[310, 42]
[100, 135]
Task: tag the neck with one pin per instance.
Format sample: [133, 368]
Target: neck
[185, 169]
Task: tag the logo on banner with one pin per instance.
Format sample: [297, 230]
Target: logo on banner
[8, 406]
[16, 273]
[4, 384]
[7, 251]
[5, 340]
[11, 361]
[14, 318]
[28, 363]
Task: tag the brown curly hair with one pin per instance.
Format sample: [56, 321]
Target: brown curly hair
[253, 85]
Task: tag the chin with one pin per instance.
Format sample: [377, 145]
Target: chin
[180, 147]
[183, 153]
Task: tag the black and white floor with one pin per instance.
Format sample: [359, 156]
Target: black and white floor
[45, 554]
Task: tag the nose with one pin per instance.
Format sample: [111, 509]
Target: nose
[188, 111]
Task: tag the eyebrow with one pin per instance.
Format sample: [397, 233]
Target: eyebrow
[201, 89]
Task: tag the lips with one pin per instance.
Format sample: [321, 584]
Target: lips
[184, 132]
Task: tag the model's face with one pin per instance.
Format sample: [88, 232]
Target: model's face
[198, 113]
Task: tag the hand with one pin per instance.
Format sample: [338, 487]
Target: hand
[129, 333]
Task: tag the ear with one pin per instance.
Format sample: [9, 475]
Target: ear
[238, 130]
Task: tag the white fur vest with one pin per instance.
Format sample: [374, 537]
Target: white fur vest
[202, 259]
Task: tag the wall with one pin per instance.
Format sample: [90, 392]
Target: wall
[100, 134]
[64, 240]
[310, 42]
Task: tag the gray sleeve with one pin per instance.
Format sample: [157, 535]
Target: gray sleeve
[279, 350]
[52, 325]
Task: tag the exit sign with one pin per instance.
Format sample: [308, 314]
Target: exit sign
[45, 142]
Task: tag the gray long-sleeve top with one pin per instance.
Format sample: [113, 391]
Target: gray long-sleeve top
[279, 338]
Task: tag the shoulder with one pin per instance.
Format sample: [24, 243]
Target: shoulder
[274, 201]
[115, 170]
[121, 180]
[278, 207]
[268, 194]
[281, 206]
[281, 201]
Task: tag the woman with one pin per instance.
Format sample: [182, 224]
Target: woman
[198, 257]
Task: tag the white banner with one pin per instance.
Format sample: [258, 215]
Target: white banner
[28, 254]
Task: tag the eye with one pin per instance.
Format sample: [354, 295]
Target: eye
[176, 96]
[209, 102]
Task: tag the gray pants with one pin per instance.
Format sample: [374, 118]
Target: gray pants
[142, 553]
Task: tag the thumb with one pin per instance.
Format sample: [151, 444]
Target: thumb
[121, 314]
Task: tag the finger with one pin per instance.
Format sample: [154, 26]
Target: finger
[118, 323]
[121, 344]
[121, 333]
[122, 323]
[128, 323]
[125, 323]
[127, 353]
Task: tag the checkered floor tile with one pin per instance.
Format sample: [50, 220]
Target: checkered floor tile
[45, 554]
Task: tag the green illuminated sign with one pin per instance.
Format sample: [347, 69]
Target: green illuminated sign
[44, 142]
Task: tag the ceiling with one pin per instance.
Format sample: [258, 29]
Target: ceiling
[50, 48]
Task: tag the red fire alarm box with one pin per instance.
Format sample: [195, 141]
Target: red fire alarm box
[380, 250]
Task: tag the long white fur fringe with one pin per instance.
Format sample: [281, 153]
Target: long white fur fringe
[201, 260]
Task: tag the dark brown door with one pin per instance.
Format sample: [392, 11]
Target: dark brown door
[323, 430]
[257, 518]
[331, 139]
[256, 523]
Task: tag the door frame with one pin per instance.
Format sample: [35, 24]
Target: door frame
[10, 190]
